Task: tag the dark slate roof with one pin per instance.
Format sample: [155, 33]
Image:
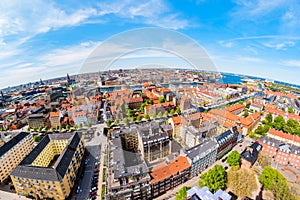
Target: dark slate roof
[40, 173]
[11, 143]
[235, 130]
[36, 151]
[224, 137]
[252, 156]
[25, 169]
[65, 158]
[201, 150]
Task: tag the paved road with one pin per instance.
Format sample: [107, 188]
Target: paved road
[94, 146]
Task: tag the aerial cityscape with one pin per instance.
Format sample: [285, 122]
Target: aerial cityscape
[113, 100]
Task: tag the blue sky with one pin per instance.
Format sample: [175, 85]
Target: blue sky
[46, 39]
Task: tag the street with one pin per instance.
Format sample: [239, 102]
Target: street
[94, 146]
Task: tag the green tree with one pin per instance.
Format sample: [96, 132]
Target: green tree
[264, 161]
[246, 113]
[89, 124]
[139, 118]
[74, 127]
[172, 112]
[132, 119]
[28, 128]
[182, 193]
[116, 122]
[52, 129]
[147, 117]
[292, 126]
[80, 125]
[215, 178]
[166, 113]
[234, 158]
[125, 120]
[34, 129]
[36, 138]
[272, 180]
[154, 116]
[108, 123]
[178, 111]
[242, 182]
[279, 123]
[269, 118]
[269, 176]
[161, 99]
[142, 107]
[67, 127]
[46, 128]
[290, 110]
[262, 130]
[159, 115]
[60, 128]
[130, 112]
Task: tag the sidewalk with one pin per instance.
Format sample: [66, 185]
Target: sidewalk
[10, 196]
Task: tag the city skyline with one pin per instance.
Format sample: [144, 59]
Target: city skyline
[47, 39]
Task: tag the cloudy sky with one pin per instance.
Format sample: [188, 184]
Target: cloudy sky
[46, 39]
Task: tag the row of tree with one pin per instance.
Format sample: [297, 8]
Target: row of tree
[274, 181]
[59, 128]
[147, 117]
[290, 126]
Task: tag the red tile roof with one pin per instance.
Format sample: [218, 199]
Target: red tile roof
[235, 107]
[283, 135]
[176, 120]
[165, 171]
[54, 114]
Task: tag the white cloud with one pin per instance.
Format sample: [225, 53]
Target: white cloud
[280, 46]
[291, 63]
[54, 63]
[226, 44]
[150, 12]
[22, 21]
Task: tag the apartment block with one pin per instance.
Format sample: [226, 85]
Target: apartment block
[282, 152]
[169, 175]
[127, 175]
[154, 142]
[50, 169]
[226, 141]
[13, 152]
[55, 119]
[36, 120]
[202, 156]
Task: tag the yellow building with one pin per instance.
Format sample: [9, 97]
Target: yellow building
[13, 152]
[50, 170]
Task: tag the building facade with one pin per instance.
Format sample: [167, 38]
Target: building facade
[169, 175]
[36, 121]
[50, 169]
[202, 156]
[226, 141]
[54, 119]
[13, 152]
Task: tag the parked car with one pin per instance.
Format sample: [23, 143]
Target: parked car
[96, 171]
[93, 189]
[92, 194]
[224, 159]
